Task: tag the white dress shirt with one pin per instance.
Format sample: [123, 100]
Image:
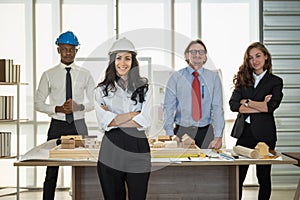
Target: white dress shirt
[257, 78]
[119, 102]
[53, 85]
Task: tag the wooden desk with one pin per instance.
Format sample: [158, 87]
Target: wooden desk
[187, 180]
[296, 156]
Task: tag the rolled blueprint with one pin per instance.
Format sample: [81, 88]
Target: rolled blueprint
[244, 151]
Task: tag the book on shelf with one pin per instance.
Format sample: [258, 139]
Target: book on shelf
[6, 107]
[9, 72]
[5, 144]
[2, 70]
[16, 77]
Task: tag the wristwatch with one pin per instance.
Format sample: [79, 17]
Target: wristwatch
[247, 103]
[82, 107]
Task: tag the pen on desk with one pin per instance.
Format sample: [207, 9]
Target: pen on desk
[226, 156]
[202, 91]
[210, 155]
[223, 154]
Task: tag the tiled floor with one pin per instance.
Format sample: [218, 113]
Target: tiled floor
[250, 193]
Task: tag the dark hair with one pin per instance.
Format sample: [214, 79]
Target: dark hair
[136, 84]
[244, 76]
[187, 49]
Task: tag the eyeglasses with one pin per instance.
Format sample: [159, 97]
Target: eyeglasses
[65, 50]
[194, 52]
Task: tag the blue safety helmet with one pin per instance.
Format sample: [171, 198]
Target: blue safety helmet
[67, 38]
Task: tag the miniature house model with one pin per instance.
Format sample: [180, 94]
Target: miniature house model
[262, 148]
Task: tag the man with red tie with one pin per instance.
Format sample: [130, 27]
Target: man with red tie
[194, 100]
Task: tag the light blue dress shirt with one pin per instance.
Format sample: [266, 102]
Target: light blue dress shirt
[178, 100]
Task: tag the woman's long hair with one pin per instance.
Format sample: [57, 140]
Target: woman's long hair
[244, 76]
[136, 84]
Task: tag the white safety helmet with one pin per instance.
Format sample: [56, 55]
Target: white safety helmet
[122, 44]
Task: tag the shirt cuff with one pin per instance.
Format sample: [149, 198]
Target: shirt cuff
[140, 119]
[51, 110]
[218, 134]
[107, 119]
[170, 132]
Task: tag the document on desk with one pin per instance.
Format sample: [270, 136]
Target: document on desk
[166, 160]
[41, 152]
[210, 155]
[180, 160]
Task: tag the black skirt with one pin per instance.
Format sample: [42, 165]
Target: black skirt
[126, 150]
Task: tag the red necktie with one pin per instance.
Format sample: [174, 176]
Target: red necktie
[196, 100]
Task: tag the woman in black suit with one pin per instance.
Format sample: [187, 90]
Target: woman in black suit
[257, 94]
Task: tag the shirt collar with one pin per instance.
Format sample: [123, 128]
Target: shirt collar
[66, 66]
[258, 77]
[191, 70]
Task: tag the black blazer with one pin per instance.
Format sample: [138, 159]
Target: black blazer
[262, 124]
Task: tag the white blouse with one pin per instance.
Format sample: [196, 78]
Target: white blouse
[119, 102]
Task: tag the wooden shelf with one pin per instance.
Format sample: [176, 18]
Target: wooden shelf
[13, 120]
[12, 83]
[8, 157]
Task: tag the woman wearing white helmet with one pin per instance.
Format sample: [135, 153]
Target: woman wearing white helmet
[123, 106]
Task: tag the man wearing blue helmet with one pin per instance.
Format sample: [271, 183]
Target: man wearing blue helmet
[67, 86]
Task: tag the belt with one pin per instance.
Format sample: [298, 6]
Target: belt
[192, 127]
[75, 120]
